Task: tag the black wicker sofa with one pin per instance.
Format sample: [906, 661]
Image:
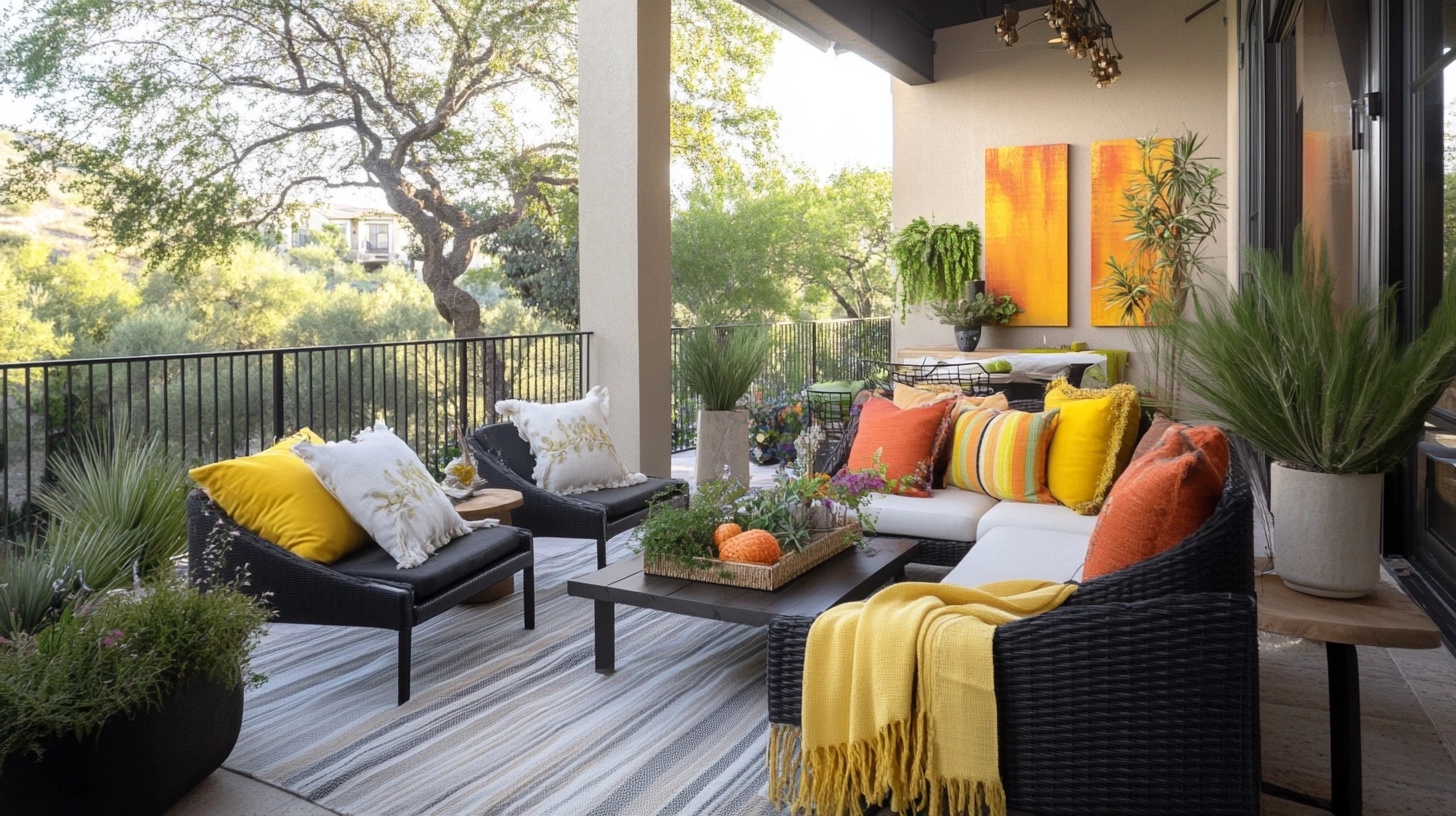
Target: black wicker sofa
[1139, 696]
[363, 588]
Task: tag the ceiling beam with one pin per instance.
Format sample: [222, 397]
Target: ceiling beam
[881, 31]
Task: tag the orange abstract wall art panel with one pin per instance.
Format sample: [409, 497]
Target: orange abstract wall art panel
[1026, 231]
[1114, 165]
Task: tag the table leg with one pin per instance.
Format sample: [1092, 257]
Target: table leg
[1346, 789]
[606, 636]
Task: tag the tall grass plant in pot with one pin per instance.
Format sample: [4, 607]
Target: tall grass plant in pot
[719, 366]
[1329, 394]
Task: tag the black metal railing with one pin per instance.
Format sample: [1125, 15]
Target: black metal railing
[801, 354]
[211, 406]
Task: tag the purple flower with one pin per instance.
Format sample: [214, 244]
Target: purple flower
[112, 639]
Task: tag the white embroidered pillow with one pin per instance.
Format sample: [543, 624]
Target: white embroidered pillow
[574, 453]
[385, 488]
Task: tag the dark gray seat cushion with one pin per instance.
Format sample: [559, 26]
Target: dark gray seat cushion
[461, 558]
[624, 501]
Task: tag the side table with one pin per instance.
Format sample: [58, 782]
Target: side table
[497, 504]
[1385, 618]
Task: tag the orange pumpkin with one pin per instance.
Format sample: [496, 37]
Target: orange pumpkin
[751, 547]
[724, 532]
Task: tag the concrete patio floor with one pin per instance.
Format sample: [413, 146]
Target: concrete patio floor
[1408, 706]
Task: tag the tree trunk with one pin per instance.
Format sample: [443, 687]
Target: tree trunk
[441, 269]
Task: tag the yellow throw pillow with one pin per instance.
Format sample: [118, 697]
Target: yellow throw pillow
[276, 495]
[1094, 442]
[910, 397]
[1003, 454]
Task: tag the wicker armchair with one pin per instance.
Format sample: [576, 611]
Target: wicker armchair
[363, 588]
[504, 460]
[1138, 696]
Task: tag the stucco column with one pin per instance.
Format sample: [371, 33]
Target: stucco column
[626, 298]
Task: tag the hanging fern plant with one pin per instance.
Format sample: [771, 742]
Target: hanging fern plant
[935, 262]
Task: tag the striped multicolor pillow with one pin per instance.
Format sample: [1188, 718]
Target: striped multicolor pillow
[1003, 454]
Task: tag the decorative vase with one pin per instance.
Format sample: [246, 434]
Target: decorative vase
[723, 445]
[1326, 531]
[967, 337]
[975, 287]
[140, 765]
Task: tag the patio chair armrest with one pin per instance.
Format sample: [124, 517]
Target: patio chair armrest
[298, 590]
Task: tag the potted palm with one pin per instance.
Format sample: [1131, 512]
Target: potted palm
[968, 315]
[719, 366]
[1328, 393]
[123, 683]
[936, 262]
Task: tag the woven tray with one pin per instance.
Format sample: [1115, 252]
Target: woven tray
[822, 547]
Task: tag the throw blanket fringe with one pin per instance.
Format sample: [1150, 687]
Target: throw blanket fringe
[903, 709]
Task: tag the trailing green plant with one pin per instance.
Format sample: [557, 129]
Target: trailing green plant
[935, 262]
[118, 654]
[683, 534]
[1312, 385]
[720, 365]
[985, 309]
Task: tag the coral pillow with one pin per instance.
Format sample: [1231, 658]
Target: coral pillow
[1154, 436]
[1003, 454]
[276, 495]
[1095, 439]
[1160, 500]
[904, 439]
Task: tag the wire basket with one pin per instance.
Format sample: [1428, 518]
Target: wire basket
[971, 378]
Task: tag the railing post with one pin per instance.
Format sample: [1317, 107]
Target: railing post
[462, 415]
[813, 353]
[277, 393]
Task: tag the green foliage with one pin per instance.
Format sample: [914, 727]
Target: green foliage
[771, 509]
[719, 365]
[1129, 291]
[683, 534]
[935, 262]
[542, 266]
[984, 309]
[119, 656]
[1314, 386]
[23, 336]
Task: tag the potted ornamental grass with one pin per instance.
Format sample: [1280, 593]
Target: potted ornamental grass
[719, 366]
[968, 315]
[121, 684]
[1328, 392]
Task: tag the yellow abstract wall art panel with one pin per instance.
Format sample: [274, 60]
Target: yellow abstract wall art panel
[1116, 166]
[1026, 244]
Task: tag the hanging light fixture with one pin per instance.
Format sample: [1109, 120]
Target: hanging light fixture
[1078, 26]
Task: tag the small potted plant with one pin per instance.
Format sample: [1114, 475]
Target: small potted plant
[968, 315]
[935, 262]
[776, 422]
[719, 366]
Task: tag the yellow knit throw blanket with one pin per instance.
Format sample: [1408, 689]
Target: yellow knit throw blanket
[900, 702]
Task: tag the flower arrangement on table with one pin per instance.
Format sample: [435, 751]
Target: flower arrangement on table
[775, 423]
[797, 515]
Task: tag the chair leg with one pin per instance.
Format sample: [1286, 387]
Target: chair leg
[528, 595]
[601, 553]
[404, 664]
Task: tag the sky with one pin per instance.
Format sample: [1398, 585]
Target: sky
[834, 111]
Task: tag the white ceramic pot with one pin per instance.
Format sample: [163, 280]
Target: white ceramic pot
[1326, 531]
[723, 443]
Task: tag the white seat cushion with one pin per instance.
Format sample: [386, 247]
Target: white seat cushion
[1054, 517]
[950, 514]
[1018, 552]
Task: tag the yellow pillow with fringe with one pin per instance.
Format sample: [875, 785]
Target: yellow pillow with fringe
[1093, 444]
[276, 495]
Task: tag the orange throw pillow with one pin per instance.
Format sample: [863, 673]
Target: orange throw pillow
[904, 438]
[1160, 499]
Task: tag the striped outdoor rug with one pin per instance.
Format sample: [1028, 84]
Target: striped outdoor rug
[506, 721]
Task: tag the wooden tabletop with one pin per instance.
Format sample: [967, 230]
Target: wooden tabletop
[1385, 617]
[850, 576]
[488, 502]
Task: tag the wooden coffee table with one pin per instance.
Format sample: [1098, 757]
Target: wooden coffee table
[850, 576]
